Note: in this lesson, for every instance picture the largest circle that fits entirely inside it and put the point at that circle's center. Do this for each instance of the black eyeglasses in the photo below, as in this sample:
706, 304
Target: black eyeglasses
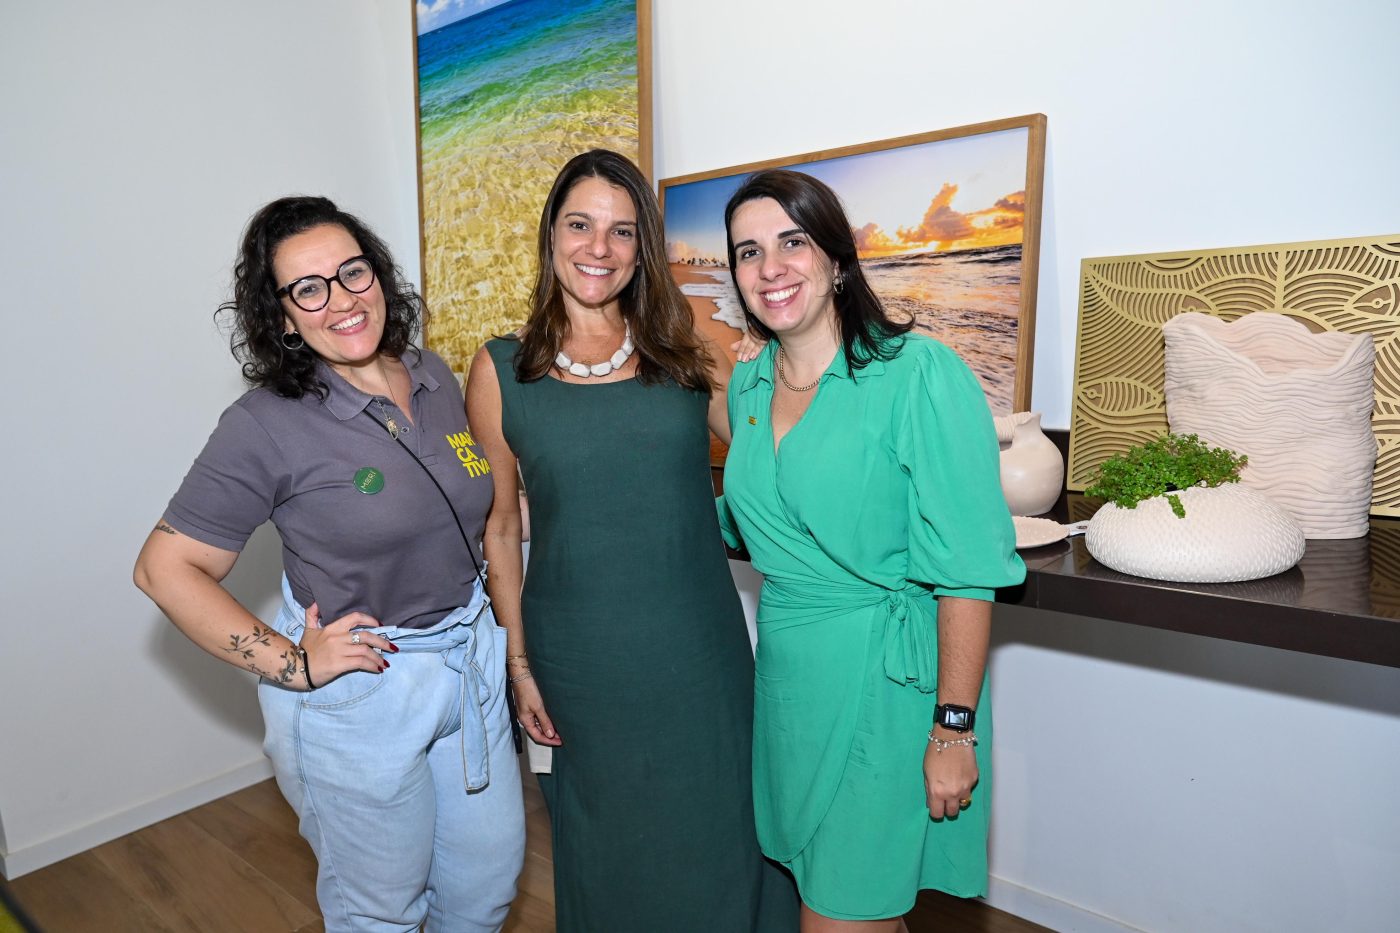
313, 292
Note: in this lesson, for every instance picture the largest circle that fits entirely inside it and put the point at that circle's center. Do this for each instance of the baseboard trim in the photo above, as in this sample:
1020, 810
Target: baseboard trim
57, 848
1048, 911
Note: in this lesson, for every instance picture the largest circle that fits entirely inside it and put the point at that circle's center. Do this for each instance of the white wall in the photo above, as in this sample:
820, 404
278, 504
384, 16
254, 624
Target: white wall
1172, 782
138, 138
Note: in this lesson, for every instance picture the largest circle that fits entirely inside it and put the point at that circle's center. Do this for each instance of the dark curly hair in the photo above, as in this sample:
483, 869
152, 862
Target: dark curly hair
258, 319
663, 326
867, 332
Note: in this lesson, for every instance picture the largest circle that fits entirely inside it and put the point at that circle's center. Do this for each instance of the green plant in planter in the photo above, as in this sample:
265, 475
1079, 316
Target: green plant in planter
1170, 463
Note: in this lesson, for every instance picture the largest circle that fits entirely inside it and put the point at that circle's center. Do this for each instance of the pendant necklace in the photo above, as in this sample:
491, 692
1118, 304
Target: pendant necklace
389, 421
615, 362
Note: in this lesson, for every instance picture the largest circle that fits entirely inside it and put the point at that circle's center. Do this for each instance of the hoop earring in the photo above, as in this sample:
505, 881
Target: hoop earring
836, 283
301, 341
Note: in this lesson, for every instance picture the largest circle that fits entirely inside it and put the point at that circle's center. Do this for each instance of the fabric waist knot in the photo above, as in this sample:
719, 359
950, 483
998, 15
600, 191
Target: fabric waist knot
911, 639
457, 637
907, 617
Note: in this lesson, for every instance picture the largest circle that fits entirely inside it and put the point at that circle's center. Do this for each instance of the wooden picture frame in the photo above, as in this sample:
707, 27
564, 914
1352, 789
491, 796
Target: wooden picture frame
967, 273
504, 99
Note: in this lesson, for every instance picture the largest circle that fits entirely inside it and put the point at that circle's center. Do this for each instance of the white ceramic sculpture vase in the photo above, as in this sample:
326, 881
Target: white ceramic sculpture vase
1230, 533
1297, 403
1032, 470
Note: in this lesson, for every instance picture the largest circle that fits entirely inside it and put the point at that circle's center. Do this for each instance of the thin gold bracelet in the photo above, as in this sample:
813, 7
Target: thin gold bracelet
519, 677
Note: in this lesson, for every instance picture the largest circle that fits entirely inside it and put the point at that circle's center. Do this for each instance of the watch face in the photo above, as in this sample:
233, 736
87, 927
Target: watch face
957, 718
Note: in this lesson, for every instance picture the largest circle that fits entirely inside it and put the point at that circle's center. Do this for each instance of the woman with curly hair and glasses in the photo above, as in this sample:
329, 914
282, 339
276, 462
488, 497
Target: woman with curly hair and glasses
354, 443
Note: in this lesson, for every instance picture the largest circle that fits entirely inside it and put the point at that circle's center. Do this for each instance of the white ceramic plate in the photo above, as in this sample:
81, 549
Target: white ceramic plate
1035, 532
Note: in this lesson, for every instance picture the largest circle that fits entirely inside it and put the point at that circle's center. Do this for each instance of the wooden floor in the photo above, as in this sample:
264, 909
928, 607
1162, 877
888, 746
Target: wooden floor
237, 864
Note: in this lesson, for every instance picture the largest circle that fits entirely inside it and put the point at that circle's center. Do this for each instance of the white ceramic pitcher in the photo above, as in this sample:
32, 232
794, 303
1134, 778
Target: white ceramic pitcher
1032, 470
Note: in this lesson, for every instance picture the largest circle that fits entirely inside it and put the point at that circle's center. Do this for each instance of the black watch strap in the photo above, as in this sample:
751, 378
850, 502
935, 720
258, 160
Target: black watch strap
953, 717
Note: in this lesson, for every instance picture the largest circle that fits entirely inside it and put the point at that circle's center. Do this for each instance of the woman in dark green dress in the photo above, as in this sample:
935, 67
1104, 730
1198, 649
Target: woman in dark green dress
638, 669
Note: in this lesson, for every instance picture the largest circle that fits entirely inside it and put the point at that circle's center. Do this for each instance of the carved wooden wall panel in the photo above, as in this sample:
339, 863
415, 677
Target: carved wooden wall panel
1344, 285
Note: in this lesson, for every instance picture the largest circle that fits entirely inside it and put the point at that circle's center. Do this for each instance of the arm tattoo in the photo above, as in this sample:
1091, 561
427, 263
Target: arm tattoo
286, 675
162, 526
243, 644
289, 668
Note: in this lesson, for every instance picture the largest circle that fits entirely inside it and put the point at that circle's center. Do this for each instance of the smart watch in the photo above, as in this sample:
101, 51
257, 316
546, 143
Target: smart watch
954, 718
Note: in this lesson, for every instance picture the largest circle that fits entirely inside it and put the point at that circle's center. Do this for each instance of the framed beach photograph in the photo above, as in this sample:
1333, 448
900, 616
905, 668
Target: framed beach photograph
508, 91
947, 226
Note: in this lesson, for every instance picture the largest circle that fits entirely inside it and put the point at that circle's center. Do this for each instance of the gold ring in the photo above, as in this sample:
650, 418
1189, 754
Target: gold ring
965, 802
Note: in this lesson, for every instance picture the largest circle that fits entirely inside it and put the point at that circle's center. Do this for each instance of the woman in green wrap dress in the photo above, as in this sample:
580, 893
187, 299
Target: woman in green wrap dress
863, 480
639, 670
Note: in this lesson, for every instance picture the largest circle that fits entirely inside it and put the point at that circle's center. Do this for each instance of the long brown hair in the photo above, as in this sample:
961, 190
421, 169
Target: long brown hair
663, 327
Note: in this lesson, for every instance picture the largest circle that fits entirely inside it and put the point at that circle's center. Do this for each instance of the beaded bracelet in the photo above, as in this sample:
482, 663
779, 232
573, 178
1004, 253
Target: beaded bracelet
939, 745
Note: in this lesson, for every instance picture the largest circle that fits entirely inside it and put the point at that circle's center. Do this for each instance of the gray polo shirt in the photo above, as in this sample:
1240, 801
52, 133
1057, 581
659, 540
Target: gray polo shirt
362, 526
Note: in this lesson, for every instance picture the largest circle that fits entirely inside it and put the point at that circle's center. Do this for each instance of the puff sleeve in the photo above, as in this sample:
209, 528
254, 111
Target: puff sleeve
961, 540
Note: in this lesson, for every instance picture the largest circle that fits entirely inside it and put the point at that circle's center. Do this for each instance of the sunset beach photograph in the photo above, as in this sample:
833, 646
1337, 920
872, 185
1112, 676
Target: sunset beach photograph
941, 228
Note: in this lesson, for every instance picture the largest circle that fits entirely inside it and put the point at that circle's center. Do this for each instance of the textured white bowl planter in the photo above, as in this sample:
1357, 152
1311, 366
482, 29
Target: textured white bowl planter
1230, 533
1297, 403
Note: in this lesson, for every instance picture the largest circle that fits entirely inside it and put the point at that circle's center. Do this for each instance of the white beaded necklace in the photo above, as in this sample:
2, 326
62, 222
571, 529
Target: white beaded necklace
583, 370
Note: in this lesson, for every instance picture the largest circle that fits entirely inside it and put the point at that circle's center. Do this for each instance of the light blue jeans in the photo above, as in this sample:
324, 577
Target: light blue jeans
406, 782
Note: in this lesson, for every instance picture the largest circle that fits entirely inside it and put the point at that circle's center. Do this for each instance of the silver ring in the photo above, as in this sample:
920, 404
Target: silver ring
354, 638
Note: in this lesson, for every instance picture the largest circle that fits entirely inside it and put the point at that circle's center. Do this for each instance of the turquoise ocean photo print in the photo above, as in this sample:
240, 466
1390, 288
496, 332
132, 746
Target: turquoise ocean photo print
507, 93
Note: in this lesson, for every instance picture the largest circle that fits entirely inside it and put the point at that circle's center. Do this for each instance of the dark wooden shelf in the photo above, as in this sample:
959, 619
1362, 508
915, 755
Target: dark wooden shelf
1342, 600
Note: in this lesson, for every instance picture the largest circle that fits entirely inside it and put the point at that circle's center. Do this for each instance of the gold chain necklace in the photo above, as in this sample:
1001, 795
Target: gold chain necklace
783, 376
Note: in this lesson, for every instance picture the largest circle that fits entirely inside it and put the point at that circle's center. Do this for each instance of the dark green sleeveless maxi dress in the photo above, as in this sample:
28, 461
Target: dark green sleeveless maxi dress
636, 637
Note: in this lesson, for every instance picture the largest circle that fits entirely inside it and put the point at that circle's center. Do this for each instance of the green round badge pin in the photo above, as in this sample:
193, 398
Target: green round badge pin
369, 480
